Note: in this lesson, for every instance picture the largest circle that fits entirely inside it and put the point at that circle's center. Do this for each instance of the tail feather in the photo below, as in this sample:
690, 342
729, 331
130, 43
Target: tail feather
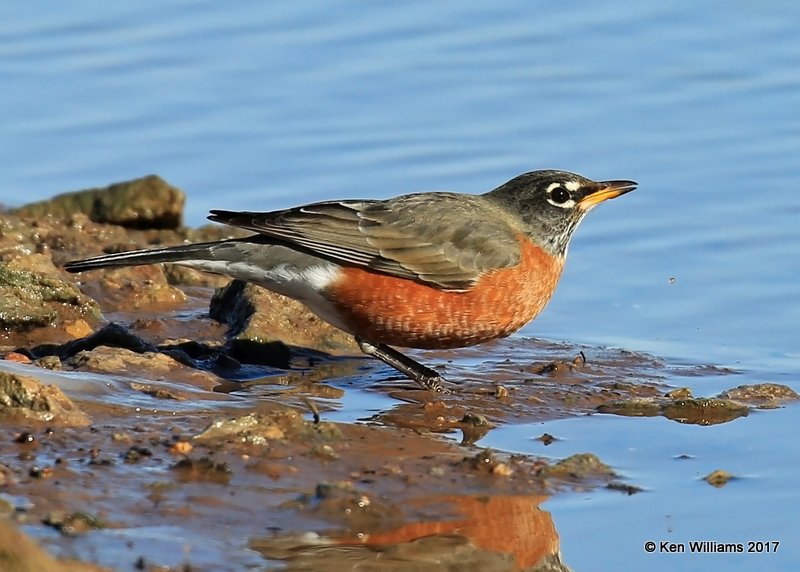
146, 256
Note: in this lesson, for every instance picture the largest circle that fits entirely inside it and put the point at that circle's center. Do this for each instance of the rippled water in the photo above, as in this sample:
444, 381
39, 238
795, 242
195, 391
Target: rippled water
265, 105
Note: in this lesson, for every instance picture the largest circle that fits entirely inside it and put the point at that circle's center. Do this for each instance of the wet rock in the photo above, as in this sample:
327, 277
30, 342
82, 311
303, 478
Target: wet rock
680, 393
704, 411
546, 439
475, 420
153, 364
23, 398
718, 478
252, 428
261, 428
73, 524
30, 300
691, 410
474, 427
111, 335
38, 242
131, 288
106, 359
26, 260
148, 202
17, 357
762, 395
42, 245
114, 349
580, 467
178, 275
262, 324
49, 362
560, 367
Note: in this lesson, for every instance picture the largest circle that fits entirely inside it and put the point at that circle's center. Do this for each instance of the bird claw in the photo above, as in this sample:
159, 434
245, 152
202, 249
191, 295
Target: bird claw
435, 383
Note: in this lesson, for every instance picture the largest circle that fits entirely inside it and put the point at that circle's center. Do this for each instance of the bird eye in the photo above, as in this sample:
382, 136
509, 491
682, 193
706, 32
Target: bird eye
559, 195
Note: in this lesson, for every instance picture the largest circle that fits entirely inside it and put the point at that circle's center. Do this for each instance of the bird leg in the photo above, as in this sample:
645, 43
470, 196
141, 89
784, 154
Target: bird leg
422, 375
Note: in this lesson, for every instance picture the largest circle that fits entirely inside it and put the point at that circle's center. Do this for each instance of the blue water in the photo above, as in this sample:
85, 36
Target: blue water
604, 530
251, 105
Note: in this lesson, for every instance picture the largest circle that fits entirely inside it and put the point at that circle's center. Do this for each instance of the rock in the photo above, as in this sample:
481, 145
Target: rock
474, 427
705, 411
30, 300
762, 395
261, 428
251, 428
49, 362
580, 467
718, 478
17, 357
559, 367
104, 359
691, 410
680, 393
112, 335
78, 329
73, 524
262, 324
149, 364
24, 398
131, 288
178, 275
149, 202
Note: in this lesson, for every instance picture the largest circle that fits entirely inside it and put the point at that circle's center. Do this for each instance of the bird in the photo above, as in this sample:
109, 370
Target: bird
429, 270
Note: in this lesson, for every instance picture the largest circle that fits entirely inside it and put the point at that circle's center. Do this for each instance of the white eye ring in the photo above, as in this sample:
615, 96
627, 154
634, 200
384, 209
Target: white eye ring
559, 196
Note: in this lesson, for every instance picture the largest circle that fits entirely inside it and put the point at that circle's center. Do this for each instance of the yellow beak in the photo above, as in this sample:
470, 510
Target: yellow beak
606, 190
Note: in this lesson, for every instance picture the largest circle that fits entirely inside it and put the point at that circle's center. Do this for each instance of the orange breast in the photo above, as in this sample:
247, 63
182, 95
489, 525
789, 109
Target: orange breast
396, 311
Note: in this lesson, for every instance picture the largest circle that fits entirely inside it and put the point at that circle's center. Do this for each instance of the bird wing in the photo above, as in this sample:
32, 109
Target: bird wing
443, 239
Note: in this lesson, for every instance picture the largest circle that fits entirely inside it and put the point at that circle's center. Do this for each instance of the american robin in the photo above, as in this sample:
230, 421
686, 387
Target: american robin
427, 270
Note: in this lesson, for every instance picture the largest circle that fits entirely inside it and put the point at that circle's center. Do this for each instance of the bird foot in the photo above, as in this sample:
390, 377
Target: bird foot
422, 375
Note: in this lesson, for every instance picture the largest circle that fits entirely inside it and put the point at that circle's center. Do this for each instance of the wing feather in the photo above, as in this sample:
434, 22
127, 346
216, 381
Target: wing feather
442, 239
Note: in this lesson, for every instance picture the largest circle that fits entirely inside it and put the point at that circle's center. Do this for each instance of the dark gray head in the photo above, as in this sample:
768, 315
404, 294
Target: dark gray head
551, 204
